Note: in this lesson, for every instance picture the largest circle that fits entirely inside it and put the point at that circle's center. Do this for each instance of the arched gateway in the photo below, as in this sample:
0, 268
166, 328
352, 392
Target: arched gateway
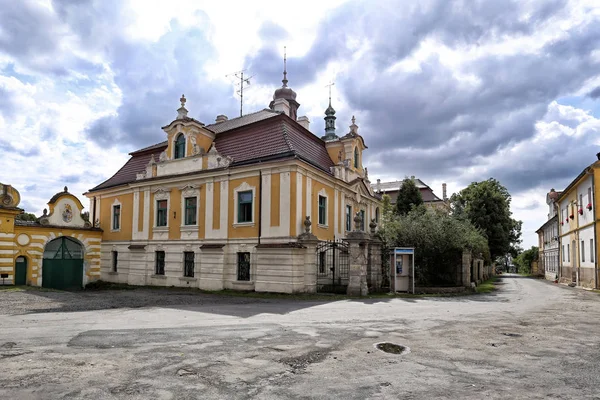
62, 267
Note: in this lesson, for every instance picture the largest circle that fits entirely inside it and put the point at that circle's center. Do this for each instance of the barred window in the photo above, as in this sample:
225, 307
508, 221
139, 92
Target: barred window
243, 265
188, 268
159, 268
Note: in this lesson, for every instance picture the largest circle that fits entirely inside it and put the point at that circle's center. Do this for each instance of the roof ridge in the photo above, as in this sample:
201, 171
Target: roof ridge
286, 137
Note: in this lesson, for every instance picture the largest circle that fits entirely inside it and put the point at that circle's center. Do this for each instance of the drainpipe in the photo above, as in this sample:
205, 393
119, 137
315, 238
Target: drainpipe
93, 221
595, 235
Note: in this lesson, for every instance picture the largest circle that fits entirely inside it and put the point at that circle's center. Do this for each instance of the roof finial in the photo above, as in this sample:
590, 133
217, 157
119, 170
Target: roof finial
353, 120
284, 80
66, 189
182, 111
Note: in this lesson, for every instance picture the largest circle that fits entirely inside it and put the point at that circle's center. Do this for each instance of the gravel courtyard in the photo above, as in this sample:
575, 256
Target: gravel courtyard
529, 340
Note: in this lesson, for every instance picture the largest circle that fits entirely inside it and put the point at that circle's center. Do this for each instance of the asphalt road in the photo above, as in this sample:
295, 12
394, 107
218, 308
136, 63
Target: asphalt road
529, 340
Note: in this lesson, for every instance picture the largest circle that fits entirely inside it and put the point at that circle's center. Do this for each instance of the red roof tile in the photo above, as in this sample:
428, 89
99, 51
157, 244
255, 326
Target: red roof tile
265, 135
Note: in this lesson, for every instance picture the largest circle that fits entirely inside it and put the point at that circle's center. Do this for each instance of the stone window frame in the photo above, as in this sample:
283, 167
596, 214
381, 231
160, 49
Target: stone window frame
161, 194
244, 187
323, 193
116, 203
189, 191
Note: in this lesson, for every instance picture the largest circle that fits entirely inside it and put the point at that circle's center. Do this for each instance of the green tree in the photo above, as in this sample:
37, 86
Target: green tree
26, 217
524, 260
409, 196
439, 240
486, 205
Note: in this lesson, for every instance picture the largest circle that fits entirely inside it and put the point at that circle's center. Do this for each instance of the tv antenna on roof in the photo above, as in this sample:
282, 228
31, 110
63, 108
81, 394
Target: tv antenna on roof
240, 75
331, 83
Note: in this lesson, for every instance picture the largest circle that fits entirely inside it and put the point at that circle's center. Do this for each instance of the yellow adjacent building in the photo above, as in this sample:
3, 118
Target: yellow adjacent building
222, 205
59, 250
578, 228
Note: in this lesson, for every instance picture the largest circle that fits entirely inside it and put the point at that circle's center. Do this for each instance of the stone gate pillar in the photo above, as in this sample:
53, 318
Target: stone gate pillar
358, 244
309, 241
466, 268
375, 259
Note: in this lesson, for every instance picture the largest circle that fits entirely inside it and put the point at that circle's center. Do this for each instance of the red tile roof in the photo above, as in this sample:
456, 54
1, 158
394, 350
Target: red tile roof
264, 135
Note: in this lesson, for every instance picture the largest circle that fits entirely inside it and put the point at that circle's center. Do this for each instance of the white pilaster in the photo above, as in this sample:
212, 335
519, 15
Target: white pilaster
146, 216
208, 216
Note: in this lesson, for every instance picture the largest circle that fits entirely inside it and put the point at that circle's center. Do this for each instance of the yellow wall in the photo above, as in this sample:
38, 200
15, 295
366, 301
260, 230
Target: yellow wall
106, 204
243, 231
303, 216
33, 251
275, 191
322, 233
341, 213
334, 149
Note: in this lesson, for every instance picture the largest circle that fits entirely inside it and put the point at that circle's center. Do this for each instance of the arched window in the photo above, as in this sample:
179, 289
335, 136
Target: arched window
180, 146
356, 157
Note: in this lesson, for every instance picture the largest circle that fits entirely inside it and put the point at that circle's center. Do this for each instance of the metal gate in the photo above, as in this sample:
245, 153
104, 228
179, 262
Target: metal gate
62, 267
332, 266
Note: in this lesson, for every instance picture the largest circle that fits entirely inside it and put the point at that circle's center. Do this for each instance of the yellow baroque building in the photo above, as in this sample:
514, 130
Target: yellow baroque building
578, 226
59, 250
222, 206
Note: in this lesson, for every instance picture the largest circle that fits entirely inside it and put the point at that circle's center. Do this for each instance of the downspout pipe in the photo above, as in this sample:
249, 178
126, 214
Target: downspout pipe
595, 249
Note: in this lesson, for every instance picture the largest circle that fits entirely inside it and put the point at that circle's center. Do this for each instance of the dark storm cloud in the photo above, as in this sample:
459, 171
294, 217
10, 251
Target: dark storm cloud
595, 94
432, 122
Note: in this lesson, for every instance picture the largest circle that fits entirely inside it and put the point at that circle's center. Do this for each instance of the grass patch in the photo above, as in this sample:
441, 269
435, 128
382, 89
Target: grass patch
23, 288
487, 286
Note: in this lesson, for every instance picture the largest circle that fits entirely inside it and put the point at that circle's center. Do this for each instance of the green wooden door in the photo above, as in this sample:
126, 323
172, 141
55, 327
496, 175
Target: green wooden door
21, 271
62, 267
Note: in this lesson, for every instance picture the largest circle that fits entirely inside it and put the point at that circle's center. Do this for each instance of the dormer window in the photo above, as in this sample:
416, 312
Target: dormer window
356, 157
180, 146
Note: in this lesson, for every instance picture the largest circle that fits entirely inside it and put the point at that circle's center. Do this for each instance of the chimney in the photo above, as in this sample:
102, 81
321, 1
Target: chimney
305, 122
444, 197
221, 118
598, 156
282, 106
378, 186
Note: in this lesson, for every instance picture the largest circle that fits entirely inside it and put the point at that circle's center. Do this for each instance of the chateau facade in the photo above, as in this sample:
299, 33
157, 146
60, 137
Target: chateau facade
221, 206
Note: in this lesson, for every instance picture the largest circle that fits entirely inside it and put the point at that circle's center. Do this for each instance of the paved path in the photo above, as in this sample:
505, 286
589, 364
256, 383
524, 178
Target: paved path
531, 339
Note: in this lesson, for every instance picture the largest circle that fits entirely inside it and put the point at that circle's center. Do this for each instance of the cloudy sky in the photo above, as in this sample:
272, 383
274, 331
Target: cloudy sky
450, 91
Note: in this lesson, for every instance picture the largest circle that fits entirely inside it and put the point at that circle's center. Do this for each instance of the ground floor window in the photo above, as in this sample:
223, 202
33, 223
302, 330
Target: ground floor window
159, 267
243, 266
188, 268
115, 257
582, 251
592, 250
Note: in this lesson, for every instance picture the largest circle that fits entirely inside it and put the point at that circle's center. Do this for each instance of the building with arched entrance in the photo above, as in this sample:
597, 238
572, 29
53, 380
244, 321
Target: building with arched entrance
59, 250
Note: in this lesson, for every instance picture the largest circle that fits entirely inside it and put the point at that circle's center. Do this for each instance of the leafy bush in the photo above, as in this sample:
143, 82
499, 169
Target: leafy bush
439, 240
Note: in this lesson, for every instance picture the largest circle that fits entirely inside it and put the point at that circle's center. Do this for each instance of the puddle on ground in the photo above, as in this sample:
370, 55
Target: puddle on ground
392, 348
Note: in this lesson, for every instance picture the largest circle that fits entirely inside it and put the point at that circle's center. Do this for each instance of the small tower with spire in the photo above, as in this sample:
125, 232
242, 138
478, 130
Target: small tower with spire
284, 98
330, 120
